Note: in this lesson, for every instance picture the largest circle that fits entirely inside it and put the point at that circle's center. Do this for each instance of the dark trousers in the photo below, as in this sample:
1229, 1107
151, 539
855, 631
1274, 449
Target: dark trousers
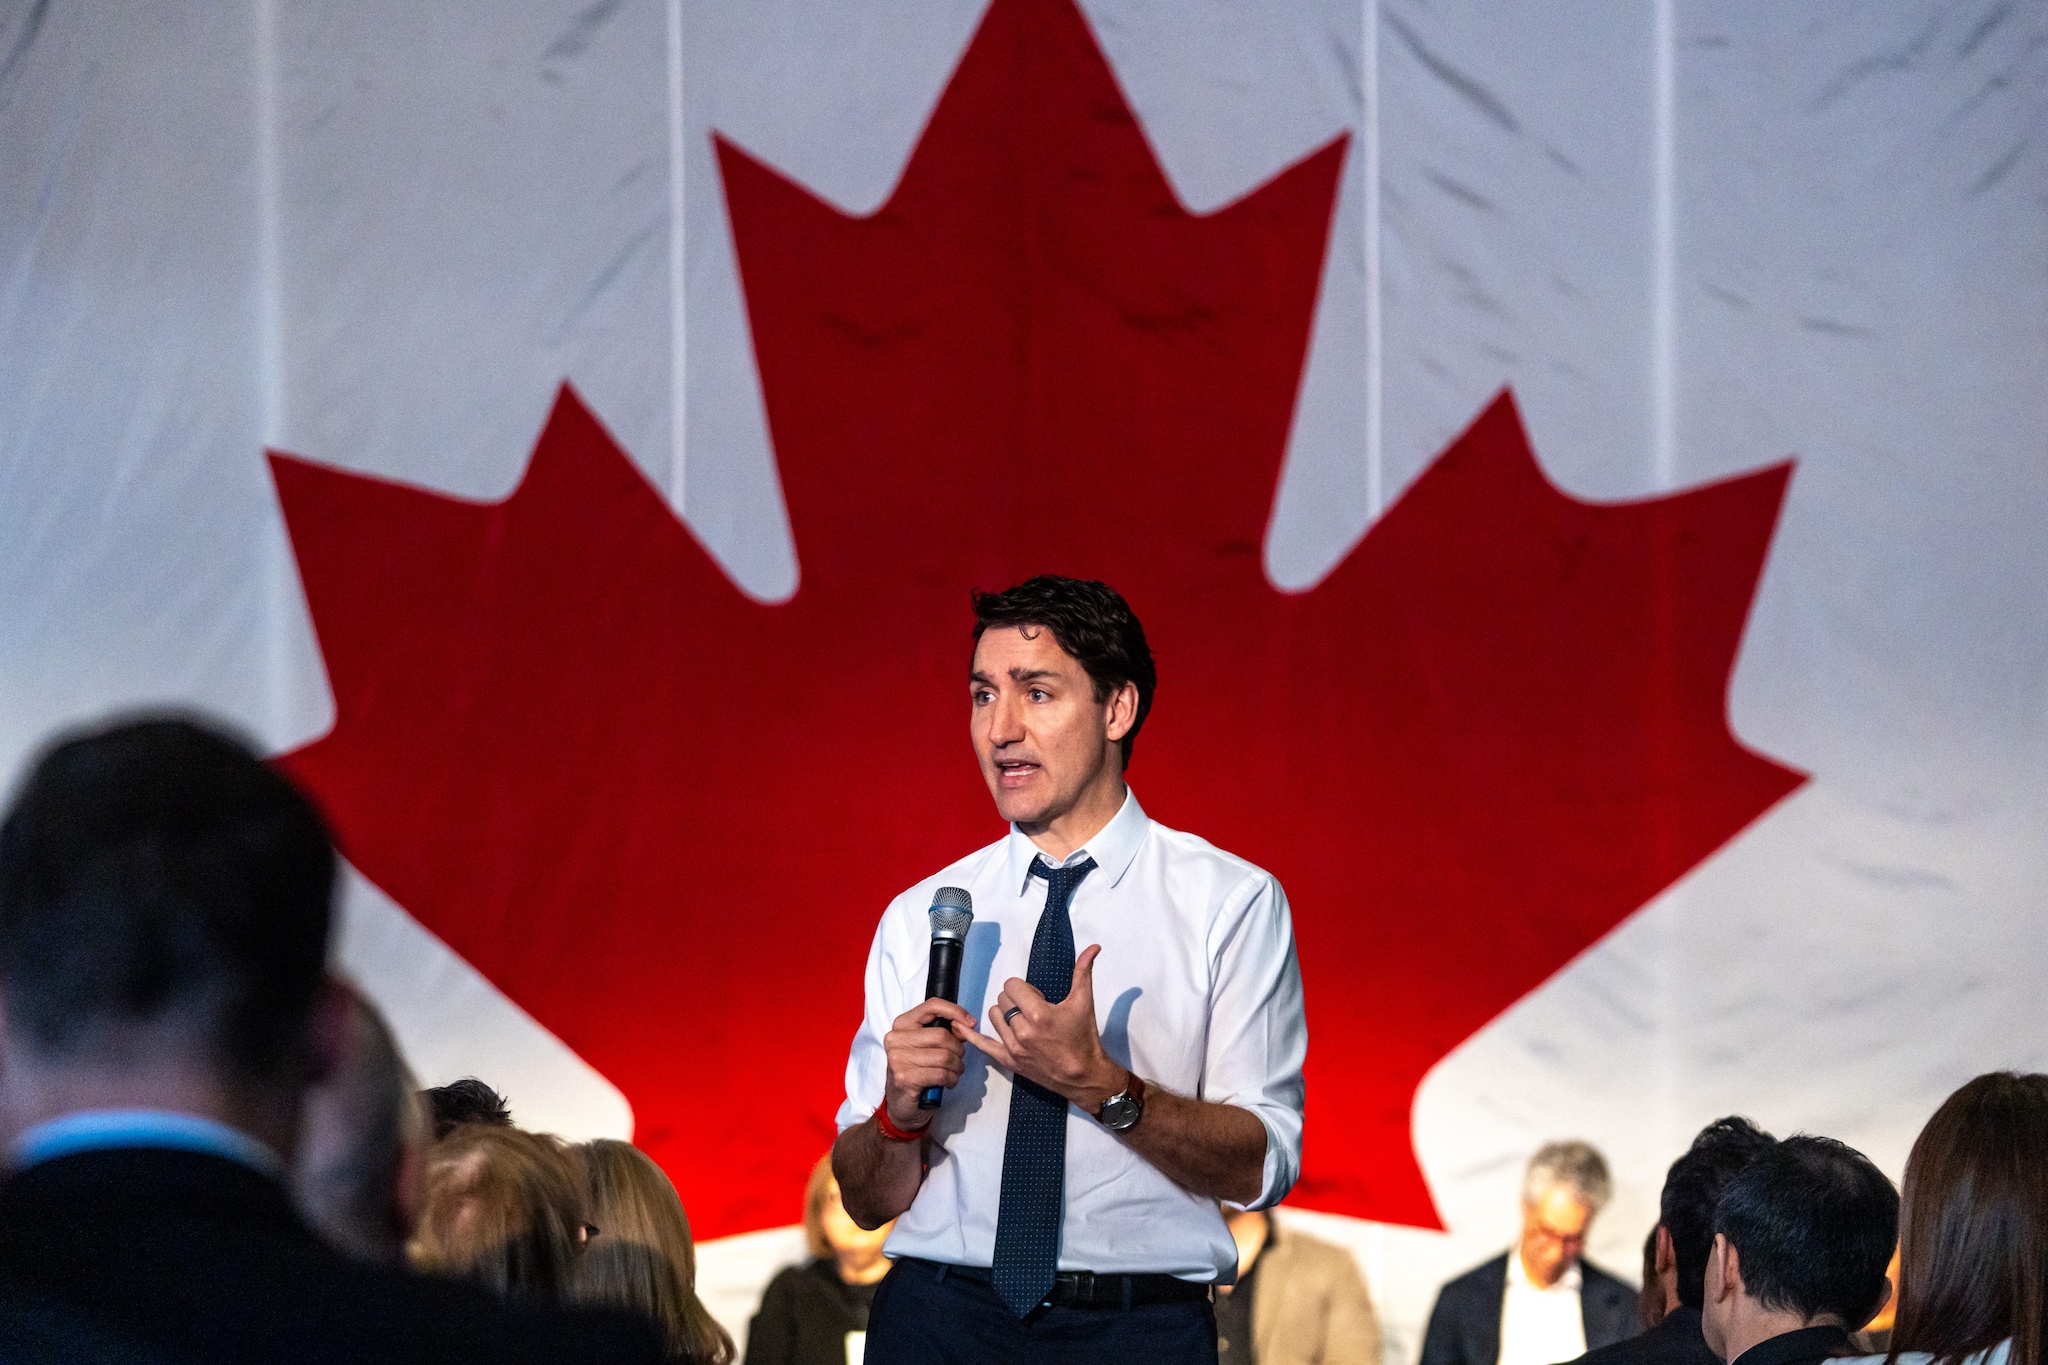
922, 1316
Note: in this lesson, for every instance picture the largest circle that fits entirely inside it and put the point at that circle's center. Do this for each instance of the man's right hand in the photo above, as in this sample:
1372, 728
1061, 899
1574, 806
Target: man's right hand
921, 1057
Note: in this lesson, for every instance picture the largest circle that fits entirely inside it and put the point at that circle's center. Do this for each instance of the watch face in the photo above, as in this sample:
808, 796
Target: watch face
1120, 1113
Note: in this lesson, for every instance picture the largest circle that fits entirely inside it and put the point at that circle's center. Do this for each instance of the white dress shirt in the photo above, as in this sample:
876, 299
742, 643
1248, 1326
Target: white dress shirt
1196, 990
1541, 1325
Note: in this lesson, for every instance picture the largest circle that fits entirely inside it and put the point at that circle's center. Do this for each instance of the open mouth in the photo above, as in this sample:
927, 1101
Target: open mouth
1015, 772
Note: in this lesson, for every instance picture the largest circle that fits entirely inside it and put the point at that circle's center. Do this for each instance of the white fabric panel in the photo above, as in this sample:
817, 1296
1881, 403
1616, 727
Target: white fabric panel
140, 554
379, 235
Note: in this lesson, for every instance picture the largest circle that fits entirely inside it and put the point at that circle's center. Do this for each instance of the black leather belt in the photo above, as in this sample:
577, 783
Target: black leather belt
1082, 1288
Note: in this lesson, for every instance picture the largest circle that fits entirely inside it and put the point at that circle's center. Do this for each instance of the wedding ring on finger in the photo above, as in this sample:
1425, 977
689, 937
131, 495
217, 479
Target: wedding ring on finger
1012, 1013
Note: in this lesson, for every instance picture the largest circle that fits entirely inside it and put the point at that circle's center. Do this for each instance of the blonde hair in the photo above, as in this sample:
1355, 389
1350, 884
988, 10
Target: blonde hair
816, 1191
641, 1256
502, 1208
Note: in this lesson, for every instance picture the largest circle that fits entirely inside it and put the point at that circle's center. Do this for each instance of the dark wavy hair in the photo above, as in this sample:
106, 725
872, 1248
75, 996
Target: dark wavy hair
1722, 1150
1973, 1230
1092, 623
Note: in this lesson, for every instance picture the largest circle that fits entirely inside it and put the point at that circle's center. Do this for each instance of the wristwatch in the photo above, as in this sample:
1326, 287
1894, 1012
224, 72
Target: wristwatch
1120, 1112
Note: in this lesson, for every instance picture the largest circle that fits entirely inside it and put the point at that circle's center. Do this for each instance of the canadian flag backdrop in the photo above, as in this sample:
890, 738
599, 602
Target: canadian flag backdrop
1582, 473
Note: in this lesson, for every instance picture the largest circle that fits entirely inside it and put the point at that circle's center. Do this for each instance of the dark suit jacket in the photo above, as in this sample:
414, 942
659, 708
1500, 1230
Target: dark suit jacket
197, 1258
1674, 1341
1464, 1327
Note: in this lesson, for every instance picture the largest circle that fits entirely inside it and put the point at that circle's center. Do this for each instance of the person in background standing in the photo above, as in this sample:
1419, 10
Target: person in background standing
817, 1313
1297, 1300
1541, 1301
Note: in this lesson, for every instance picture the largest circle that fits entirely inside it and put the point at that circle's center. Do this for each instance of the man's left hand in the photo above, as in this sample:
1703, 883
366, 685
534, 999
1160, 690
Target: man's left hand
1059, 1045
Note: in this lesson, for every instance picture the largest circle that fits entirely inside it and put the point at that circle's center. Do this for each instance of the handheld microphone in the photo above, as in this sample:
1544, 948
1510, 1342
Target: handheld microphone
952, 912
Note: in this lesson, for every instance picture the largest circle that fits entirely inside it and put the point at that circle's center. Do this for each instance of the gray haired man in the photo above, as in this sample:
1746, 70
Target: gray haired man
1540, 1301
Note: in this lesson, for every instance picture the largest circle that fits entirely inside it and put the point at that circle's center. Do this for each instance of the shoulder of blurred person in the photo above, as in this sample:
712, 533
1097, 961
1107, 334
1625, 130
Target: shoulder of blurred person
1311, 1305
165, 910
1464, 1323
805, 1313
1675, 1340
1609, 1306
201, 1257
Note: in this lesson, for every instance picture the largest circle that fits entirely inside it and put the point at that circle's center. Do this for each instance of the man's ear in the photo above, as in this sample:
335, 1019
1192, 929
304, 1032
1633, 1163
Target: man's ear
1722, 1280
1666, 1262
1123, 710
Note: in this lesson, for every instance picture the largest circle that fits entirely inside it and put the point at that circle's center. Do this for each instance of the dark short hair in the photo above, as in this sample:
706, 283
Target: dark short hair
468, 1100
1973, 1226
1692, 1188
157, 874
1092, 623
1814, 1223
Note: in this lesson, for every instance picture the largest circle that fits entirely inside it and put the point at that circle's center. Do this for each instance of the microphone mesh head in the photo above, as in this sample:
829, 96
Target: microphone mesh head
952, 911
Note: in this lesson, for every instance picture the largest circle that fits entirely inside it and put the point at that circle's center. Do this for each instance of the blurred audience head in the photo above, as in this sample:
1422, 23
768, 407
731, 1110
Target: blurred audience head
1692, 1189
641, 1256
1801, 1239
362, 1139
833, 1235
1566, 1184
165, 901
468, 1100
502, 1208
1973, 1226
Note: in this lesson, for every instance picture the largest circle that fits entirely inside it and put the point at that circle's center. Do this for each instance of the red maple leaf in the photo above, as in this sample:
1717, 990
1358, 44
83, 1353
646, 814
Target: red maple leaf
664, 818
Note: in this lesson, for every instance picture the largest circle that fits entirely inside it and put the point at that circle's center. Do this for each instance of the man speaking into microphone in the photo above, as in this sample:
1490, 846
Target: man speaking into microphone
1061, 1202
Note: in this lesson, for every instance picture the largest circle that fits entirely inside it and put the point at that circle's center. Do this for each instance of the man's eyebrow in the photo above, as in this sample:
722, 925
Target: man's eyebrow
1016, 675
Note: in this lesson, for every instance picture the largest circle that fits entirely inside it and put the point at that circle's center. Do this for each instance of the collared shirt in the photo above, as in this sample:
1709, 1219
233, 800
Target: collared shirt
1539, 1324
1196, 990
100, 1130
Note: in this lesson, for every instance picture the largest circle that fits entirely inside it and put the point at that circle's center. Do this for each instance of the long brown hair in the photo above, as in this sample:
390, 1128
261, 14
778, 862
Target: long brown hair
642, 1257
503, 1208
1973, 1225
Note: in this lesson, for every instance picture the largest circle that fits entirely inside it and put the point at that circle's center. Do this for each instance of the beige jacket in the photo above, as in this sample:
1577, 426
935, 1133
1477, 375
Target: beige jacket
1310, 1307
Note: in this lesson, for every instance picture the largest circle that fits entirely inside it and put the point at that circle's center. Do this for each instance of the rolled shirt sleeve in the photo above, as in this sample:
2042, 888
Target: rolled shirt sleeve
1258, 1036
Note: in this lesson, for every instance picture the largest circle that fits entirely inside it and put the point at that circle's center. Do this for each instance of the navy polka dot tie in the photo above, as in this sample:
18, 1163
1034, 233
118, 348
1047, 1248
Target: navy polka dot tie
1035, 1151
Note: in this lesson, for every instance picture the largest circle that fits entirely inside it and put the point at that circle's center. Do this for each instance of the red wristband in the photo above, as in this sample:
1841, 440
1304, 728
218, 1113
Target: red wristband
891, 1131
